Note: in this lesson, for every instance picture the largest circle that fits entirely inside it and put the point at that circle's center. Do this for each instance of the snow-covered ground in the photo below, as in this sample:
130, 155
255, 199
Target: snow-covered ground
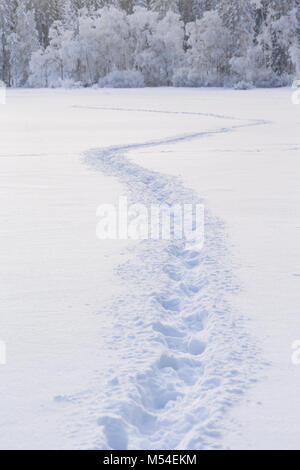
123, 344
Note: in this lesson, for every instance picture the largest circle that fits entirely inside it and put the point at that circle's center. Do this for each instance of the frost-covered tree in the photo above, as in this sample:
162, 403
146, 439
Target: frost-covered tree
199, 7
23, 42
238, 18
279, 29
142, 29
295, 46
48, 67
127, 5
297, 8
209, 51
99, 46
46, 12
163, 51
8, 10
143, 3
275, 41
164, 6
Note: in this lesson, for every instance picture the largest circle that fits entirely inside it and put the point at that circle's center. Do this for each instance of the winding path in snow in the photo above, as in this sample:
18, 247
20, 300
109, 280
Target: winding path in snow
185, 356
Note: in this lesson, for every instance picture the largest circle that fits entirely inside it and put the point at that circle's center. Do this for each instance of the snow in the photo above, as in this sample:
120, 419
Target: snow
152, 344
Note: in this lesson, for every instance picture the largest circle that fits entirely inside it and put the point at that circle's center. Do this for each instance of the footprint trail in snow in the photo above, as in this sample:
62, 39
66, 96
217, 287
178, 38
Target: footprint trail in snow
185, 357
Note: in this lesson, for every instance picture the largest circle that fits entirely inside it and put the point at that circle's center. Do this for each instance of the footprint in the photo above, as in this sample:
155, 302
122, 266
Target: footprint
156, 395
169, 304
196, 320
194, 289
115, 432
175, 344
172, 272
167, 360
190, 289
196, 347
188, 375
185, 371
185, 289
193, 263
178, 363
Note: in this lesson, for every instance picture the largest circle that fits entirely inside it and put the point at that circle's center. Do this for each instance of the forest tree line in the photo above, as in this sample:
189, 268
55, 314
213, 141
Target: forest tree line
241, 43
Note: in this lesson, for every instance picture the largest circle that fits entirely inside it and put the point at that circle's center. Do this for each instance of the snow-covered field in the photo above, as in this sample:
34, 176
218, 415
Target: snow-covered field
149, 345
